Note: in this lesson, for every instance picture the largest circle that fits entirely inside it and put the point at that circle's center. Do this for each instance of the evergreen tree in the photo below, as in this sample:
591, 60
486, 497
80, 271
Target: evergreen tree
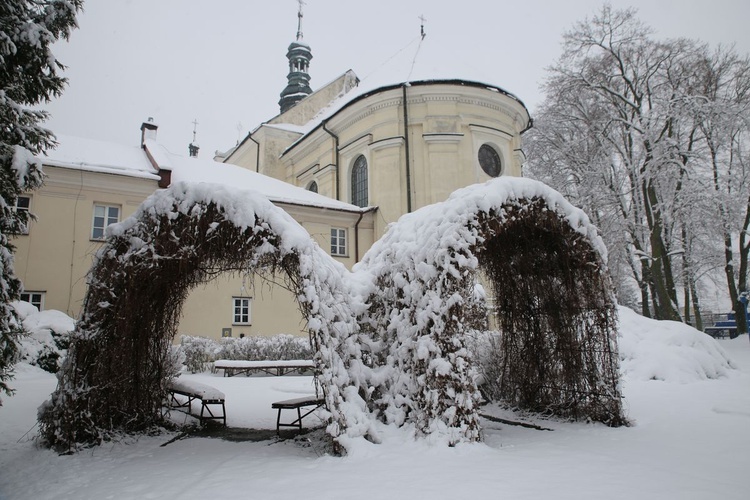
29, 76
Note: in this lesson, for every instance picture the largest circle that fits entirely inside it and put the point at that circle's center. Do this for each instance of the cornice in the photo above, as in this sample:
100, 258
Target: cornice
442, 138
390, 142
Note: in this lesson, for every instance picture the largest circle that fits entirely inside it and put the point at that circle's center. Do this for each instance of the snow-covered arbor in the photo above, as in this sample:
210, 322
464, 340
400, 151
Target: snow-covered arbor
546, 268
114, 378
390, 337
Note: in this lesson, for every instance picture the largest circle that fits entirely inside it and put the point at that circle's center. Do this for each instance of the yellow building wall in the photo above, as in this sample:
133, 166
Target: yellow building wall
274, 308
57, 253
447, 124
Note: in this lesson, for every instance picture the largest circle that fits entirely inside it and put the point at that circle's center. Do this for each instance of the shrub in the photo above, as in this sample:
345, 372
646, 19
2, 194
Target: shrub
46, 338
201, 352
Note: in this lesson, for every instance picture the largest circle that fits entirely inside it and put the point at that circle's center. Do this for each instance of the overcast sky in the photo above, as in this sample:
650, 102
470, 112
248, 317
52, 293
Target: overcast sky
223, 62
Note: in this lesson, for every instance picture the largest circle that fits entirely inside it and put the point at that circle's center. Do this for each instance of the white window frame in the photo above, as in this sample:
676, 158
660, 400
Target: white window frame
339, 242
107, 220
241, 317
27, 209
34, 298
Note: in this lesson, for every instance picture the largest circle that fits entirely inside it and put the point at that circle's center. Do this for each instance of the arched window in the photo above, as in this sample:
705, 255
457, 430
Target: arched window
313, 186
359, 182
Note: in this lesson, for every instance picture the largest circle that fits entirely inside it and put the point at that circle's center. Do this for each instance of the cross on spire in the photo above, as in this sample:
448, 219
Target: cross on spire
299, 19
193, 147
195, 128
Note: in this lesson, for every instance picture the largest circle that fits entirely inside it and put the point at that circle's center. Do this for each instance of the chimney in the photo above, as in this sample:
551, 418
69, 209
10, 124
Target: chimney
148, 130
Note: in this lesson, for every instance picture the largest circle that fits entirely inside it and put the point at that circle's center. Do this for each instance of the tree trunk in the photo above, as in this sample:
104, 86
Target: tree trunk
660, 271
696, 305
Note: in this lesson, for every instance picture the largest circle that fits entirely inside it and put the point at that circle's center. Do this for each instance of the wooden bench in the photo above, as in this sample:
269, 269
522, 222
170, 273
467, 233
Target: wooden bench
297, 404
233, 367
720, 332
211, 399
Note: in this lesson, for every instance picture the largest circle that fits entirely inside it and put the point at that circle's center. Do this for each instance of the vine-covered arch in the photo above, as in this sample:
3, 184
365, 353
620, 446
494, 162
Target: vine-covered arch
114, 378
546, 268
390, 338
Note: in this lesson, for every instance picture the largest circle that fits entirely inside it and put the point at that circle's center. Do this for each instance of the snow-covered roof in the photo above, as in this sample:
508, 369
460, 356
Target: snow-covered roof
186, 169
98, 156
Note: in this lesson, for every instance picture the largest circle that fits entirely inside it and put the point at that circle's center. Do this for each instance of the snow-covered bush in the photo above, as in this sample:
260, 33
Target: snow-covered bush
47, 336
200, 352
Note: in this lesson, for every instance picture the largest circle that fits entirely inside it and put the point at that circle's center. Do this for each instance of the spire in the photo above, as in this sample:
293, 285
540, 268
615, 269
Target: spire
298, 80
193, 146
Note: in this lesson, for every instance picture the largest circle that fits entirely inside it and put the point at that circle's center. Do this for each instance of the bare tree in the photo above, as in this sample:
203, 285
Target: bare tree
625, 132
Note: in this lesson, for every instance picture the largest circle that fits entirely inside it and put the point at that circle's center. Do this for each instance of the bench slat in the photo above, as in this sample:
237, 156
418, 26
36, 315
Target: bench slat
202, 391
298, 402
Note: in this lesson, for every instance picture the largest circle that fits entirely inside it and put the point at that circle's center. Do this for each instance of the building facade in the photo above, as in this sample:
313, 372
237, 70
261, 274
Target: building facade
344, 161
90, 185
397, 148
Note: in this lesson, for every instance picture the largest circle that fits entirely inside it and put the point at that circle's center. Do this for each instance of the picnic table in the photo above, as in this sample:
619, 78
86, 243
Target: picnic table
234, 367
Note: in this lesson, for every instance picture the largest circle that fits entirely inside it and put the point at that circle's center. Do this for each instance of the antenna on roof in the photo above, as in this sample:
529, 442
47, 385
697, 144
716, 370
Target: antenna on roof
193, 147
299, 19
422, 34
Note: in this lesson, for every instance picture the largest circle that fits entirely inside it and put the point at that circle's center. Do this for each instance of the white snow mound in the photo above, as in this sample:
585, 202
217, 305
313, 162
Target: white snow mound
668, 350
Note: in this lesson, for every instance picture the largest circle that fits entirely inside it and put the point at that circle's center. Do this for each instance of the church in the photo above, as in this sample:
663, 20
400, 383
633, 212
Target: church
345, 161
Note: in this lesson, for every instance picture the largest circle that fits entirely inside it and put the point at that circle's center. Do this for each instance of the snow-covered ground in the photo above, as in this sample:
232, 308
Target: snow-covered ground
687, 395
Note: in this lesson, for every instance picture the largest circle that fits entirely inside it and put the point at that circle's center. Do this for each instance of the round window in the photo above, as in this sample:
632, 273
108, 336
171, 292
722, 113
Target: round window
489, 160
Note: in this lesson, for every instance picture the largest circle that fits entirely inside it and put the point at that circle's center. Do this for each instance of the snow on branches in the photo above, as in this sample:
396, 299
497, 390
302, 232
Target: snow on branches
28, 77
390, 338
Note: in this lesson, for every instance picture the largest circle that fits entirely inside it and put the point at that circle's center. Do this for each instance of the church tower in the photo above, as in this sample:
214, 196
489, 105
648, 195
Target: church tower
299, 55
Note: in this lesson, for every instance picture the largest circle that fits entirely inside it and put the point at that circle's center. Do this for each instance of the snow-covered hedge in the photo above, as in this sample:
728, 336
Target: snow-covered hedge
47, 336
201, 352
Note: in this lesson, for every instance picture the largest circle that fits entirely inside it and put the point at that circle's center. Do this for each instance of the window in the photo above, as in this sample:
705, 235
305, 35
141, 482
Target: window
338, 241
241, 315
104, 215
489, 160
359, 182
34, 298
313, 186
23, 204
